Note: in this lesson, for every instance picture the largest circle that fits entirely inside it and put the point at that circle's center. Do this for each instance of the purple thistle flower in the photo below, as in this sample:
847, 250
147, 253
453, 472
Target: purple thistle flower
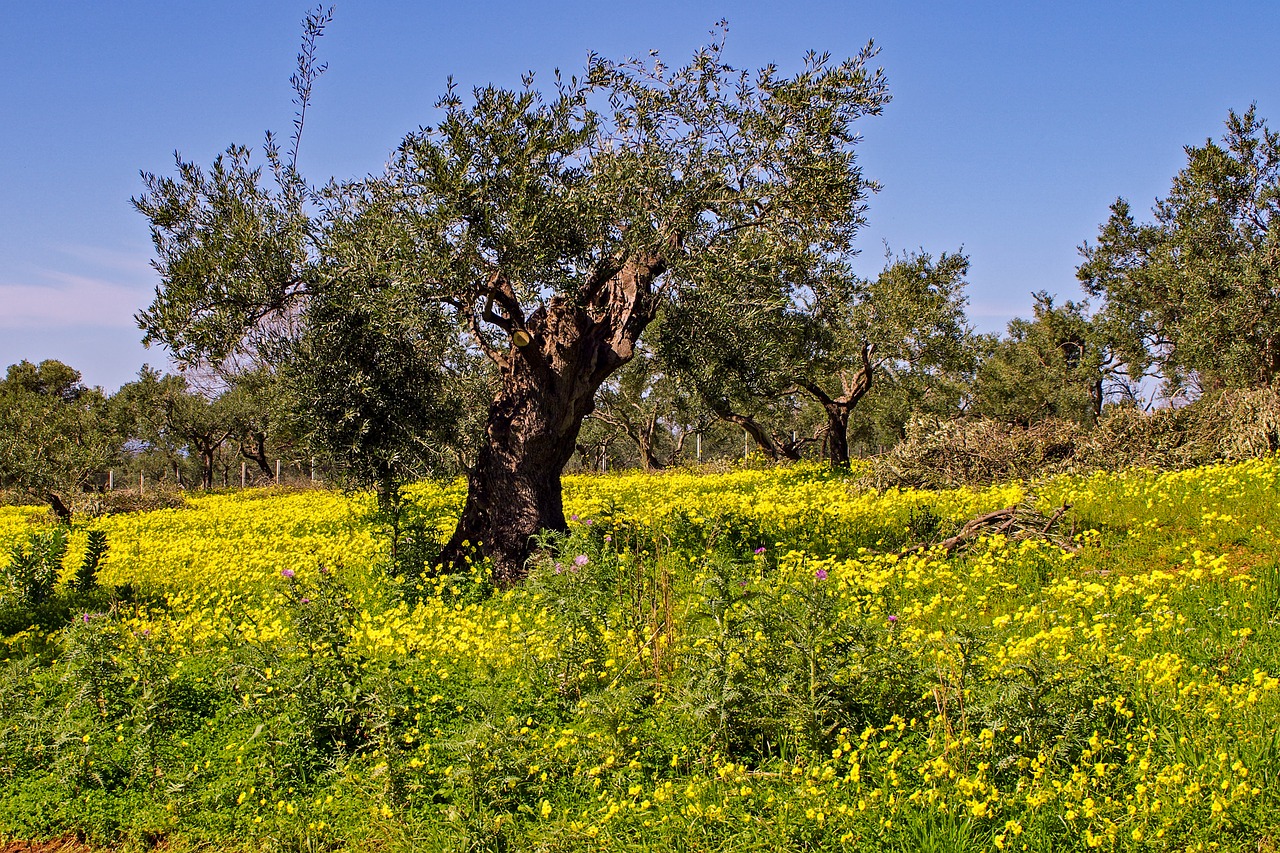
581, 560
759, 550
306, 601
820, 574
559, 568
287, 574
893, 620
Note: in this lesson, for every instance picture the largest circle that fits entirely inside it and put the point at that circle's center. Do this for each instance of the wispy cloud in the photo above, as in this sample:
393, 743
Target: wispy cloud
67, 300
78, 286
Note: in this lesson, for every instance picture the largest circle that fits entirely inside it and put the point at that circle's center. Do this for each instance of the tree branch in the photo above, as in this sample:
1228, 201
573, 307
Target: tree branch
482, 340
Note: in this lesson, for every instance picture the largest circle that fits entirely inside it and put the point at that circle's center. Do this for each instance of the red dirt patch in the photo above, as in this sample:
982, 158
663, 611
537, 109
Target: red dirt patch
57, 845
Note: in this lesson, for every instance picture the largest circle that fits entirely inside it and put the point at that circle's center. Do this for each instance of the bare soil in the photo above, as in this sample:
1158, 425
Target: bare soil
57, 845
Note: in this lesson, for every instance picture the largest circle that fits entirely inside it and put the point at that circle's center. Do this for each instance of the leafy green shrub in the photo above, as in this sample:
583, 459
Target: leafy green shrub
1043, 708
33, 568
924, 525
725, 684
777, 668
576, 583
307, 692
830, 666
94, 665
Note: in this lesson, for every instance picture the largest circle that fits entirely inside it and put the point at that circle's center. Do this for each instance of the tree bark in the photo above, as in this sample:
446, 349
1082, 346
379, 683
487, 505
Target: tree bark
60, 508
643, 438
548, 386
838, 435
257, 453
678, 450
772, 447
839, 408
513, 491
206, 446
206, 468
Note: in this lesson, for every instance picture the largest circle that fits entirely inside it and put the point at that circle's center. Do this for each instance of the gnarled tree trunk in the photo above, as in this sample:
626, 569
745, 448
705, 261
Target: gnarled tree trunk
513, 491
60, 508
773, 446
641, 433
558, 358
254, 449
855, 387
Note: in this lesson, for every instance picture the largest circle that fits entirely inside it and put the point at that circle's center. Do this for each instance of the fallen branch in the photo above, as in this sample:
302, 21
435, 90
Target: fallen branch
1053, 519
1018, 522
974, 526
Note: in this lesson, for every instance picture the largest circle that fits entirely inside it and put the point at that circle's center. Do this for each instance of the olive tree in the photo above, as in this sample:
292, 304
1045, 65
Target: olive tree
1058, 364
56, 435
1196, 292
828, 345
541, 231
644, 403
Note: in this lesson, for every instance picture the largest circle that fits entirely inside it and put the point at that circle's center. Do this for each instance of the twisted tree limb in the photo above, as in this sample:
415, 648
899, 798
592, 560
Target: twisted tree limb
1019, 522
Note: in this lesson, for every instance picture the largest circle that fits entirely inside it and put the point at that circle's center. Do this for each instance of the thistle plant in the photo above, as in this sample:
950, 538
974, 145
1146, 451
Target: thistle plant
86, 579
33, 568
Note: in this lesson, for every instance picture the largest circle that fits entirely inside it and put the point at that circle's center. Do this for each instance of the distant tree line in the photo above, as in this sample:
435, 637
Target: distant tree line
60, 439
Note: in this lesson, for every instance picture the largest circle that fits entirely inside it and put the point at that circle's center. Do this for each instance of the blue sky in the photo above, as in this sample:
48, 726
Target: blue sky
1012, 127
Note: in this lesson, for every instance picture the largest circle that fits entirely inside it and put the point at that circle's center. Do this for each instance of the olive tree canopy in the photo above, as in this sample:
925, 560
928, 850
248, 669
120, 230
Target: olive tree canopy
831, 342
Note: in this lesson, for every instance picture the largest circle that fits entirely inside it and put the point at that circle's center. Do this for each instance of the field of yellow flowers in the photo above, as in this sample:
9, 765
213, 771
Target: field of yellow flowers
753, 660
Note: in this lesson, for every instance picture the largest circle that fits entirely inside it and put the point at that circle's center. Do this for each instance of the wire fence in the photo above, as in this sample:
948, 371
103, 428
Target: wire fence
282, 473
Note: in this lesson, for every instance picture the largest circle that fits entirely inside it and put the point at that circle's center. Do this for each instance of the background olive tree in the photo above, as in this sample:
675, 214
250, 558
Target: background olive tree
56, 435
826, 346
1060, 363
1195, 293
